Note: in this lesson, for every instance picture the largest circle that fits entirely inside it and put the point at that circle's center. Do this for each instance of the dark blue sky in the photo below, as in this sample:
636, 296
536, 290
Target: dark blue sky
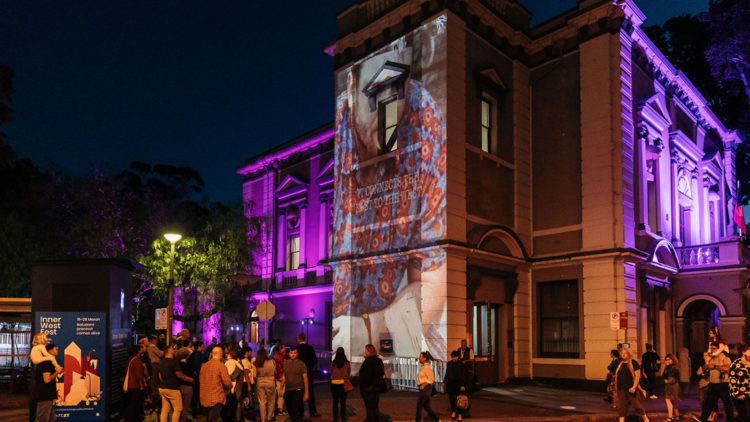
203, 84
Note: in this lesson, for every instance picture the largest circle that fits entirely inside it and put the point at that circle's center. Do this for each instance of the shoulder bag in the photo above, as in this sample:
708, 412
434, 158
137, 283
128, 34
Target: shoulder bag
462, 401
348, 386
127, 375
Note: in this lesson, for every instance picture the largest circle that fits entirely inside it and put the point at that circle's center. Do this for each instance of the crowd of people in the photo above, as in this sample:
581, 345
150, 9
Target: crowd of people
721, 379
225, 380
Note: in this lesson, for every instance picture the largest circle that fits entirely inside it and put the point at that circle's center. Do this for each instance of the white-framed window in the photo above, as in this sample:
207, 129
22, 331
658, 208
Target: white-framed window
388, 123
292, 261
330, 240
486, 125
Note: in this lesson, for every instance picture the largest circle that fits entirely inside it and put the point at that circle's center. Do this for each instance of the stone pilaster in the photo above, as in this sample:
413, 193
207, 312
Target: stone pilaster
303, 233
281, 243
522, 154
323, 228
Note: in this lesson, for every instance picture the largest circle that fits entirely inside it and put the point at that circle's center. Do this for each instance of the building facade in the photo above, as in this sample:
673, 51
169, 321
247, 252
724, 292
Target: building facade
509, 185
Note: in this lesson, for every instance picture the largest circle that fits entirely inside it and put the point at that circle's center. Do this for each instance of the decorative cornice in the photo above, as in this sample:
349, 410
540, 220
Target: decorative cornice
285, 153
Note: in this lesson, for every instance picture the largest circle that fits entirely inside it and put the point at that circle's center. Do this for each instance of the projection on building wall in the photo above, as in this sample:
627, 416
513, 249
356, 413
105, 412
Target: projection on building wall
390, 200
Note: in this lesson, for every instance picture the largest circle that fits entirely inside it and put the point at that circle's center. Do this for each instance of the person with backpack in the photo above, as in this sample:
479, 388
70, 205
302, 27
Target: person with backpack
650, 362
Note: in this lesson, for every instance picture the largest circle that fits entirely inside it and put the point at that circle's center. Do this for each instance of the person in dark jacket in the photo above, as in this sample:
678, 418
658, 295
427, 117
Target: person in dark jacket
650, 363
307, 355
197, 358
455, 383
371, 382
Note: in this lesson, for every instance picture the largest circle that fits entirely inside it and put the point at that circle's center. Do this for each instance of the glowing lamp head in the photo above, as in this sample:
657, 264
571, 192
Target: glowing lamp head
173, 237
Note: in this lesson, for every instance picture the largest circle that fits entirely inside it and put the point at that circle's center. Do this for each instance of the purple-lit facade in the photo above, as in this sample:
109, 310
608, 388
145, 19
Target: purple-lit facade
291, 186
531, 181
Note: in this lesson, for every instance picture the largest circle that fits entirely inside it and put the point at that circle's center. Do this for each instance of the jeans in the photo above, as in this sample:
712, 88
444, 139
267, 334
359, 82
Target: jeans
133, 405
454, 390
339, 395
715, 392
170, 400
371, 399
294, 402
45, 412
423, 402
213, 412
743, 407
266, 397
280, 388
187, 397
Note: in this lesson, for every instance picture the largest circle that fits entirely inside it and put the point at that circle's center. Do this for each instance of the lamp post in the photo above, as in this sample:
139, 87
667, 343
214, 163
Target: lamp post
173, 238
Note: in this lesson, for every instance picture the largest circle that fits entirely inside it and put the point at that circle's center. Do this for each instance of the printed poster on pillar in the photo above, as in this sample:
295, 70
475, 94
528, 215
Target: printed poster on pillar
80, 338
390, 194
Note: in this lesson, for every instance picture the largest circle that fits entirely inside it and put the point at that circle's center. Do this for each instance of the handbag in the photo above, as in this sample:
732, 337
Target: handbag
462, 401
348, 386
434, 391
127, 374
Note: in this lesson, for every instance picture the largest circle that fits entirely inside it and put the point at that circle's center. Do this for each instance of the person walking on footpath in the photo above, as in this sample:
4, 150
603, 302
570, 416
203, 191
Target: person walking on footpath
703, 387
627, 377
650, 366
671, 376
425, 379
455, 383
371, 382
170, 375
155, 356
341, 370
718, 385
739, 383
266, 384
214, 380
45, 386
611, 385
186, 387
136, 384
307, 355
296, 385
279, 359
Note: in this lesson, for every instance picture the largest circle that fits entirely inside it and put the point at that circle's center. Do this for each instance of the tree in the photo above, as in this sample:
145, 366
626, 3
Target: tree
7, 155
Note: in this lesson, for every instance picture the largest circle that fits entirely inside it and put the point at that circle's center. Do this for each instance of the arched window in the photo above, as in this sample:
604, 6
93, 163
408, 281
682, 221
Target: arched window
254, 327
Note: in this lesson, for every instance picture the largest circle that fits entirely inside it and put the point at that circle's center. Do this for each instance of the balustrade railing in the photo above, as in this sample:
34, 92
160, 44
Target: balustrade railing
700, 255
289, 281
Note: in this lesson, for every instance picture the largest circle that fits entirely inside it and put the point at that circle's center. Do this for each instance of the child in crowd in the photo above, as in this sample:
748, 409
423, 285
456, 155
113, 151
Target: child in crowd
39, 351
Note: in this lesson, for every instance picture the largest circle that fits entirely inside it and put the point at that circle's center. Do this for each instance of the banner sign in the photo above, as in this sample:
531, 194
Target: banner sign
80, 338
161, 319
618, 320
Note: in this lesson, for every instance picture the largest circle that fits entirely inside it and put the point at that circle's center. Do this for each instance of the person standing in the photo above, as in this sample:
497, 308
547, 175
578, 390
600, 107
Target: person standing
341, 370
296, 385
210, 348
136, 384
371, 382
718, 386
308, 357
279, 359
466, 357
155, 356
45, 387
739, 383
672, 386
186, 387
198, 359
170, 375
266, 384
628, 375
703, 386
425, 379
650, 366
214, 380
236, 375
611, 386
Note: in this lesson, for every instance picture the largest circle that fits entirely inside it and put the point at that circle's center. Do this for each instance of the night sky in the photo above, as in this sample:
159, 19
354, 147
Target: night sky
201, 84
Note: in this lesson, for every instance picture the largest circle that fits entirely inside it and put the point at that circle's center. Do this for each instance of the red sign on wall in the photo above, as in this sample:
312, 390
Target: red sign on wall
623, 320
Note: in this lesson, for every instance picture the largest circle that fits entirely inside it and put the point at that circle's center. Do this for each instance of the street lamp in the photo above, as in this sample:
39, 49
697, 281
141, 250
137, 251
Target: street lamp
173, 238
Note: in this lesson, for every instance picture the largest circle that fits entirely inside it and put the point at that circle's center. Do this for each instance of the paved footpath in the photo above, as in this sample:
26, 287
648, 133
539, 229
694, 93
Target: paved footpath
514, 404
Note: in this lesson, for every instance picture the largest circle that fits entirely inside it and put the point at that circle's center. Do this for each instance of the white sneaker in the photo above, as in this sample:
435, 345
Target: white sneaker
652, 397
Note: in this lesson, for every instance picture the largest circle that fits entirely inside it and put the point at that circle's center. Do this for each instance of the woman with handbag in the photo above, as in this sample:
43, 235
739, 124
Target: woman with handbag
425, 379
340, 383
372, 382
455, 384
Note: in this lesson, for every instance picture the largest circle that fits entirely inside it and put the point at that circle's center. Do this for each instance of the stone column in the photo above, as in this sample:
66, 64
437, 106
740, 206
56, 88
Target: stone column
642, 192
281, 245
323, 229
696, 223
303, 233
706, 211
675, 200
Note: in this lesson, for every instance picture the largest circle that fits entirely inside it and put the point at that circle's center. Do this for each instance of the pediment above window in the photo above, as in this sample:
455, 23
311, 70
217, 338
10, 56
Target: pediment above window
290, 187
325, 176
490, 82
654, 111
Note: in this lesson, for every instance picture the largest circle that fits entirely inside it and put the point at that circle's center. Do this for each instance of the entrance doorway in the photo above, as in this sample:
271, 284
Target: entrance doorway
701, 316
489, 357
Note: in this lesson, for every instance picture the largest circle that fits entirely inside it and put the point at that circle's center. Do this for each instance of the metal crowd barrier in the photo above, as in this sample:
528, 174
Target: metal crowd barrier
404, 372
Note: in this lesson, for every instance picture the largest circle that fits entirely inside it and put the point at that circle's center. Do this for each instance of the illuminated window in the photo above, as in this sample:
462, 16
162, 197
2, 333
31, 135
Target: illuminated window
254, 327
388, 124
558, 319
486, 133
330, 240
292, 262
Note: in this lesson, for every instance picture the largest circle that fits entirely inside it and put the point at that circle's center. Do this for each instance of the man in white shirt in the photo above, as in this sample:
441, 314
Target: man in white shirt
156, 356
